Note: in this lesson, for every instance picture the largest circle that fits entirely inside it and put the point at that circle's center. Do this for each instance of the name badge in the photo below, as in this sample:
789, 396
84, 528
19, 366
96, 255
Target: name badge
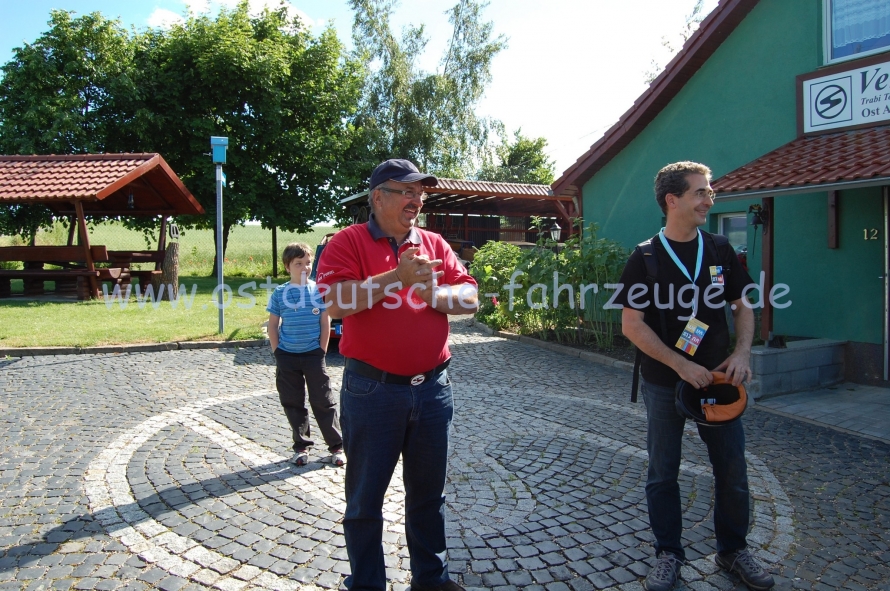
692, 335
716, 275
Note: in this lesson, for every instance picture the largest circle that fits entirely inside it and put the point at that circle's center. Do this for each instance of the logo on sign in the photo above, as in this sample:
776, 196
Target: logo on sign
830, 101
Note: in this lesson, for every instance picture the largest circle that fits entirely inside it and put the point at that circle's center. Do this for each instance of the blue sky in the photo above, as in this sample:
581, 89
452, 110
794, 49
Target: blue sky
571, 69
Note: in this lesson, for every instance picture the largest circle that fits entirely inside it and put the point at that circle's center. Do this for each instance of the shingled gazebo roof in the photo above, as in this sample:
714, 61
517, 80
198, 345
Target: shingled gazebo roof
102, 183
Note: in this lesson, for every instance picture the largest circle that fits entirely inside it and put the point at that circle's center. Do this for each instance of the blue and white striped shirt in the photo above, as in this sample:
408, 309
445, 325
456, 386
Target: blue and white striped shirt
300, 308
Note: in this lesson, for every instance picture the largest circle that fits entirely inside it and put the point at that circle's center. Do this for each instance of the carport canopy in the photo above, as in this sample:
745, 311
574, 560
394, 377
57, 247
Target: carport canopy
486, 198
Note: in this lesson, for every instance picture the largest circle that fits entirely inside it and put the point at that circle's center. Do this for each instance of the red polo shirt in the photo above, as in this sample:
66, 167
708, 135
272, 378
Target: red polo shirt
396, 335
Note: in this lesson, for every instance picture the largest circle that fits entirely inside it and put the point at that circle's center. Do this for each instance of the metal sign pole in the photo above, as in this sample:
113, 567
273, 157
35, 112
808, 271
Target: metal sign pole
219, 245
218, 147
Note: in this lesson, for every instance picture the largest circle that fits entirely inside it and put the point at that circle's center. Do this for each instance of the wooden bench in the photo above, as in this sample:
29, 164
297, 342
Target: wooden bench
125, 258
72, 279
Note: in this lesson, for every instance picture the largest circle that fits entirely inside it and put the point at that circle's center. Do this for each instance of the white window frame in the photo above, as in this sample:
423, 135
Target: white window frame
826, 40
727, 215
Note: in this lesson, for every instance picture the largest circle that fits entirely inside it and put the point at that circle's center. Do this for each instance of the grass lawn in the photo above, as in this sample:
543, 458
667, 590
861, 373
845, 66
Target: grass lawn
249, 251
44, 323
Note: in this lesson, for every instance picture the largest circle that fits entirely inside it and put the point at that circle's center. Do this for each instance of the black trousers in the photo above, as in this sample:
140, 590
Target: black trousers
296, 373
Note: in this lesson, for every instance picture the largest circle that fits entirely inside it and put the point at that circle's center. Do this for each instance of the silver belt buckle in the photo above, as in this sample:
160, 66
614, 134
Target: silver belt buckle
418, 379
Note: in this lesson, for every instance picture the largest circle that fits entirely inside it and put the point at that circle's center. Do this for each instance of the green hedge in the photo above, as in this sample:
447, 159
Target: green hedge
585, 263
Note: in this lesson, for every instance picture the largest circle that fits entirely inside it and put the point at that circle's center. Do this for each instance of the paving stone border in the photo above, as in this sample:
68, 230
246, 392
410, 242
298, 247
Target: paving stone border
129, 348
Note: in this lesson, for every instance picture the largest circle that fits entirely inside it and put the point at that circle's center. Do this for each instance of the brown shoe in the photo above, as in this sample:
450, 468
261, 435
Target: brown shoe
448, 585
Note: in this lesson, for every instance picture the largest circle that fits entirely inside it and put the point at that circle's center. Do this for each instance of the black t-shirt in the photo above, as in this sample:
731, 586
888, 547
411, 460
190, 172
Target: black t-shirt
714, 346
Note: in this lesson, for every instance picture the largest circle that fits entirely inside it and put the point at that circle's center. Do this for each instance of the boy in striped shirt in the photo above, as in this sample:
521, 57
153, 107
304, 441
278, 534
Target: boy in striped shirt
299, 331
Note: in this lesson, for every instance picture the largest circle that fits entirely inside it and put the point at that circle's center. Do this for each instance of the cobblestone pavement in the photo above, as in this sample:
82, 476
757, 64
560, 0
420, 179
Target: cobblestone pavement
167, 470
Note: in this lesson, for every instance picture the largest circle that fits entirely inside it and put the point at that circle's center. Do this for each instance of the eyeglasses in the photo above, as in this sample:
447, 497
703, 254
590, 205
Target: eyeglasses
706, 193
406, 193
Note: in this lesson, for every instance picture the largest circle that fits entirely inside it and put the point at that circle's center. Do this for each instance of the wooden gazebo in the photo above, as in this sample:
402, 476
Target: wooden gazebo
81, 185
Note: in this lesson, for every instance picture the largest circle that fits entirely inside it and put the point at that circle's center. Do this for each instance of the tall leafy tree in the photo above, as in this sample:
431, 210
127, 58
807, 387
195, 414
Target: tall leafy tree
429, 118
523, 160
280, 95
63, 94
283, 97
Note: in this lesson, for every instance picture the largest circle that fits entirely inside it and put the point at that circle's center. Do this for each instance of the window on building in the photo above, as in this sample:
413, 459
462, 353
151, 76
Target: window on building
855, 28
735, 227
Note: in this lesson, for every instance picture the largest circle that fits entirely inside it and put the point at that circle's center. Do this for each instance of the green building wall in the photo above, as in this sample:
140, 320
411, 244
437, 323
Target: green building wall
834, 292
740, 105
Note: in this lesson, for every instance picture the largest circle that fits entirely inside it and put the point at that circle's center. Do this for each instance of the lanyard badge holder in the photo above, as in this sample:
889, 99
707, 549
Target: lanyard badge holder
695, 329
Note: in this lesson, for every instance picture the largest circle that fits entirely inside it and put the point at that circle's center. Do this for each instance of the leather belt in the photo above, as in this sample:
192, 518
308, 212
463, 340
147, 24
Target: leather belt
369, 371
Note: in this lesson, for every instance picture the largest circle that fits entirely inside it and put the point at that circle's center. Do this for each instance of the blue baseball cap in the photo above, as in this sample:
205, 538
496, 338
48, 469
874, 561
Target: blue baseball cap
400, 171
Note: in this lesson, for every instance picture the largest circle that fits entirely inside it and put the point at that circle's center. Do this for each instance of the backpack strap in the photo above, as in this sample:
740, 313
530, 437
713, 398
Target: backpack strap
650, 259
714, 243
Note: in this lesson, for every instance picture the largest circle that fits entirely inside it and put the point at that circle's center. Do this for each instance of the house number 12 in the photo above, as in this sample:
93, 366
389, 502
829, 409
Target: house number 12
869, 233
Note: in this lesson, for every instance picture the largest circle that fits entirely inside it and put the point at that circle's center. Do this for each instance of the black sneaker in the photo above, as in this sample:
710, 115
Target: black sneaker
743, 564
664, 574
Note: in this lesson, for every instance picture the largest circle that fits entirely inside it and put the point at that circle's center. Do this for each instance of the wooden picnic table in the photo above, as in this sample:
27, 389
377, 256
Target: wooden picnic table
124, 259
75, 272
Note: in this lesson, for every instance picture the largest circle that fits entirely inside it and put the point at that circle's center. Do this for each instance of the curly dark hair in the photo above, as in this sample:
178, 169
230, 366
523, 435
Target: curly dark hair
672, 179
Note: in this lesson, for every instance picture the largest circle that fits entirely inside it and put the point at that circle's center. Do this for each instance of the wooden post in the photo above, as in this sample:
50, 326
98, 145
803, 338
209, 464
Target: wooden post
85, 242
766, 262
72, 225
466, 226
274, 251
169, 274
162, 242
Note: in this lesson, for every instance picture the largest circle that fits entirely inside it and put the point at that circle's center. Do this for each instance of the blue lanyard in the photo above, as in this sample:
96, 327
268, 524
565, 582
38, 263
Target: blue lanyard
676, 259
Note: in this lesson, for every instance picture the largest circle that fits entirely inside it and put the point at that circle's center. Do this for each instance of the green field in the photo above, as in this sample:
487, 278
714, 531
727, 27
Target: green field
249, 252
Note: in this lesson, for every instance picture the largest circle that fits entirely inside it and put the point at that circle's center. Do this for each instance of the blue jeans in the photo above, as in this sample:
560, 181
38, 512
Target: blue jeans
380, 422
726, 451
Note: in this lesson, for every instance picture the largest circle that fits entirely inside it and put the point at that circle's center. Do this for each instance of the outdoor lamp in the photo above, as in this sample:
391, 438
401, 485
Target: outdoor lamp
555, 232
130, 202
760, 216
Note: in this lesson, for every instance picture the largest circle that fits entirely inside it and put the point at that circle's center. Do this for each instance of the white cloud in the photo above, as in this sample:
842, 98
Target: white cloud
254, 7
197, 6
163, 19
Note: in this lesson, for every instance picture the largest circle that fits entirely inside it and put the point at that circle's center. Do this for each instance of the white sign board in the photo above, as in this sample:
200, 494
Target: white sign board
855, 97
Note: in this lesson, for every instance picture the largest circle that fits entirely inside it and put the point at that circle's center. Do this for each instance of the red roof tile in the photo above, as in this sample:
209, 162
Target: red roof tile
98, 180
860, 156
710, 34
488, 187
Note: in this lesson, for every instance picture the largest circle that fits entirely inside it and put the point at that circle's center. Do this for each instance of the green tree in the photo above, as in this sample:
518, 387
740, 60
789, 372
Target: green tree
283, 97
62, 94
426, 117
280, 95
522, 161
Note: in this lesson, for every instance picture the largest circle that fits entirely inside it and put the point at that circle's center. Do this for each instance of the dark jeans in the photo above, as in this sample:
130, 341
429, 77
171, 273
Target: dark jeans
296, 372
380, 422
726, 450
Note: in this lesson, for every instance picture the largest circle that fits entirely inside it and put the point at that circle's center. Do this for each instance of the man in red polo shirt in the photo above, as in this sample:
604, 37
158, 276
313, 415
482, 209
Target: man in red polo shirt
393, 285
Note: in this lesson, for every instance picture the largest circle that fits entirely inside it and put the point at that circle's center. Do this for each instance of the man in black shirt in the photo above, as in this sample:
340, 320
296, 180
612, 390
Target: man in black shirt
680, 325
